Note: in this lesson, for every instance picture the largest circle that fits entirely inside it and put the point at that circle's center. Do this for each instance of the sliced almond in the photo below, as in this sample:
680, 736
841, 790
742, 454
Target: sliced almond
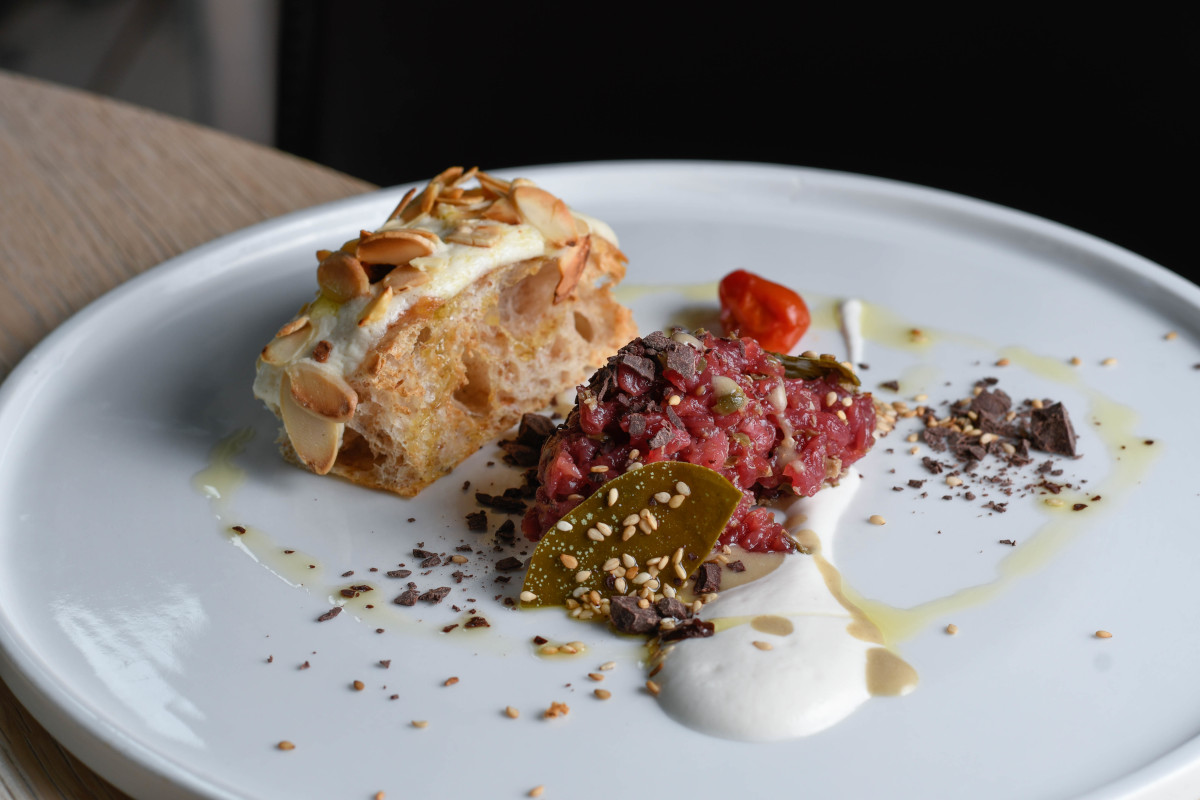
497, 187
315, 439
403, 278
404, 201
430, 195
321, 392
450, 193
503, 210
448, 176
394, 247
293, 326
571, 263
466, 176
377, 308
287, 344
342, 277
547, 213
483, 235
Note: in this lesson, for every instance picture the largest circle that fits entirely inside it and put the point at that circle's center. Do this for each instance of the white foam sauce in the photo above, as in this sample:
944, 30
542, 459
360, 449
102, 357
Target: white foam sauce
829, 664
850, 313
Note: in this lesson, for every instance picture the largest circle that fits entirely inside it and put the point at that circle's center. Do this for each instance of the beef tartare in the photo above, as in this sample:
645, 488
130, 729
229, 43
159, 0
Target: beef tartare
725, 404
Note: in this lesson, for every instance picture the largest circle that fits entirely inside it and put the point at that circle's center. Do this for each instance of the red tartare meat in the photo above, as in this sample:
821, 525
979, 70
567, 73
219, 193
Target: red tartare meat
721, 403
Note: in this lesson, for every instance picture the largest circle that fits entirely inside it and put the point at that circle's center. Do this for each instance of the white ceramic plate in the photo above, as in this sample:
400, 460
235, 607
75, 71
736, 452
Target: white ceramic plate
139, 631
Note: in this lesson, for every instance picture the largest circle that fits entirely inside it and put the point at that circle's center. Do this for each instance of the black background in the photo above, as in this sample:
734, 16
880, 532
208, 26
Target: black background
1080, 120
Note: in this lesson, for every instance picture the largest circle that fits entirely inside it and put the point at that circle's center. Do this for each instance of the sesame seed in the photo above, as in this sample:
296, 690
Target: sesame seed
953, 480
653, 688
583, 575
596, 676
1004, 362
620, 585
676, 501
628, 533
537, 791
595, 535
847, 401
613, 494
563, 525
644, 527
511, 712
599, 468
912, 437
681, 572
607, 665
1171, 335
652, 521
457, 559
603, 694
632, 519
876, 519
674, 401
628, 560
763, 645
634, 465
683, 489
450, 681
951, 629
358, 686
420, 723
550, 650
1076, 361
286, 745
1108, 362
831, 398
841, 415
1054, 501
912, 451
1103, 635
569, 561
641, 578
611, 564
662, 497
604, 528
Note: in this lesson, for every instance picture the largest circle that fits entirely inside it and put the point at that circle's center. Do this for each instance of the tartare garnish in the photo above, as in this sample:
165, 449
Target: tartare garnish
647, 527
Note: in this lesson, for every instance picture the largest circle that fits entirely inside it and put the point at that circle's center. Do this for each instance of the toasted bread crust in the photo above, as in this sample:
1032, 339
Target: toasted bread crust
448, 376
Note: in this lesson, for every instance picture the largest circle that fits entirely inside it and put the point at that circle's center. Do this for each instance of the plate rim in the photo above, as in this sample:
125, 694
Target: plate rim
138, 769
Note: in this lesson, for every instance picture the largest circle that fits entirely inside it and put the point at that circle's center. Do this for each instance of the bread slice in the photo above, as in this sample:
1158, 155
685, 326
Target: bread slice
434, 334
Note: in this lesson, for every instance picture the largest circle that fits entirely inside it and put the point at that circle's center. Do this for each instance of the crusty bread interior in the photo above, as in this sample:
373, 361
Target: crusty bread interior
448, 377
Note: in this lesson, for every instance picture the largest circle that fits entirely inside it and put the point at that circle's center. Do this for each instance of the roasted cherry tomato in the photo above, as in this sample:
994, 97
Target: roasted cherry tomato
761, 309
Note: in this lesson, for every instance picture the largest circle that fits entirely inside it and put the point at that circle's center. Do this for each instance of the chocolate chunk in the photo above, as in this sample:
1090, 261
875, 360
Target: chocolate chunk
507, 531
690, 629
504, 503
534, 430
931, 465
521, 455
999, 508
916, 484
639, 364
477, 521
330, 614
1009, 542
477, 622
637, 424
435, 595
407, 598
399, 573
736, 566
419, 553
628, 617
322, 350
993, 403
708, 578
672, 607
432, 561
509, 564
935, 438
893, 385
662, 438
681, 358
656, 341
1051, 430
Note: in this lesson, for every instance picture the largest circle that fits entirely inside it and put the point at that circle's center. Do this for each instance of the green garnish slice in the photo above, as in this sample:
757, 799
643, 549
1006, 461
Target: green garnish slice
810, 368
570, 562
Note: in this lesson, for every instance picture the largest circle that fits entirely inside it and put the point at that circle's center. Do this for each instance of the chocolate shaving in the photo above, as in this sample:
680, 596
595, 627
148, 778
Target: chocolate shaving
330, 614
432, 561
690, 629
931, 465
1051, 430
708, 578
435, 595
477, 521
477, 622
673, 608
504, 503
736, 566
637, 424
662, 438
628, 617
534, 430
407, 598
399, 573
681, 358
509, 564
